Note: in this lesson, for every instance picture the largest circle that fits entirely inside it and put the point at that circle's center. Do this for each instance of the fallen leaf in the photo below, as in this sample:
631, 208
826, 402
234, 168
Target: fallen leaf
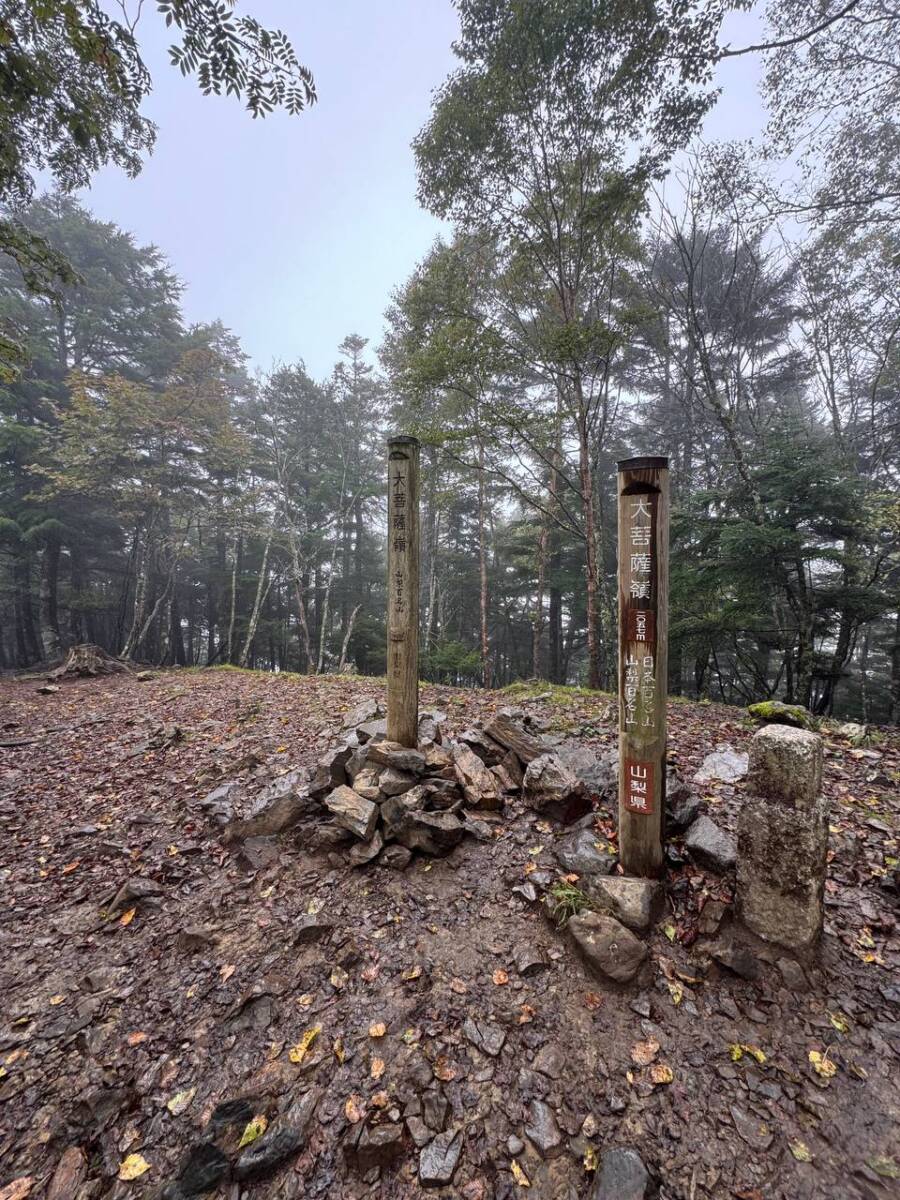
378, 1030
18, 1189
444, 1069
519, 1175
592, 1000
297, 1053
377, 1068
381, 1099
226, 972
839, 1021
127, 917
458, 986
71, 866
135, 1039
338, 978
526, 1014
676, 991
339, 1052
886, 1167
591, 1159
253, 1129
411, 973
800, 1151
822, 1064
180, 1101
133, 1167
670, 931
500, 977
58, 999
354, 1109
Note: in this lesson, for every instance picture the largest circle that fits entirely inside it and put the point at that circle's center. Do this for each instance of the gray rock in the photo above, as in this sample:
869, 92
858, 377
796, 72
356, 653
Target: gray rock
364, 852
480, 787
711, 917
584, 854
542, 1130
490, 752
219, 804
637, 903
598, 772
267, 1153
431, 833
366, 710
401, 758
395, 809
725, 764
330, 770
503, 728
550, 1060
529, 959
352, 812
394, 783
369, 730
367, 781
312, 927
484, 1036
430, 722
607, 946
548, 782
786, 766
396, 858
710, 846
435, 1109
133, 892
736, 957
439, 1159
201, 1170
376, 1146
622, 1176
792, 975
682, 804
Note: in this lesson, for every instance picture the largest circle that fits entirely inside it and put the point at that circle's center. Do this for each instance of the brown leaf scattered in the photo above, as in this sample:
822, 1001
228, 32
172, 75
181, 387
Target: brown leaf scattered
643, 1053
500, 977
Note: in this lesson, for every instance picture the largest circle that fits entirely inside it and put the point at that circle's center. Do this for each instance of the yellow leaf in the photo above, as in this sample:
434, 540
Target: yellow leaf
736, 1051
377, 1068
676, 991
661, 1073
411, 973
822, 1064
127, 917
305, 1001
226, 972
354, 1109
297, 1053
58, 999
800, 1151
643, 1053
133, 1167
519, 1175
252, 1130
839, 1021
339, 1052
378, 1030
755, 1052
670, 931
180, 1101
591, 1161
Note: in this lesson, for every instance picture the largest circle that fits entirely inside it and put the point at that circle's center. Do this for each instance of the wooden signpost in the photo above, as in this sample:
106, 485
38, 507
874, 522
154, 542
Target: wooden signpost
643, 661
403, 591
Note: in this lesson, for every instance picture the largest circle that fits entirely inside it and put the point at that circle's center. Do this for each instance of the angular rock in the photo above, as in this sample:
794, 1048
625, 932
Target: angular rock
401, 758
431, 833
439, 1159
637, 903
607, 946
682, 803
330, 771
395, 809
134, 891
529, 959
710, 846
435, 1109
267, 1153
352, 812
479, 787
489, 751
552, 789
312, 927
365, 852
779, 713
622, 1176
367, 781
736, 957
196, 937
278, 817
508, 773
542, 1130
443, 794
256, 853
484, 1036
375, 1147
503, 729
786, 766
201, 1171
396, 858
366, 710
583, 853
598, 772
725, 764
711, 917
70, 1173
218, 805
550, 1060
430, 722
394, 783
439, 761
370, 730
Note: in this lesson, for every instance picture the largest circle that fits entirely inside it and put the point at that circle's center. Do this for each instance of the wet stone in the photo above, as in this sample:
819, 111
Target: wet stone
542, 1130
622, 1176
201, 1170
395, 858
607, 946
710, 846
439, 1159
637, 903
584, 853
352, 812
725, 764
311, 928
435, 1109
484, 1036
550, 1060
376, 1147
529, 959
267, 1154
364, 852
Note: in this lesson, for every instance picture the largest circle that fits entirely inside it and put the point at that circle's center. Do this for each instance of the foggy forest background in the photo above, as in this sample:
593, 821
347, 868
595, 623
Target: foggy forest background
611, 286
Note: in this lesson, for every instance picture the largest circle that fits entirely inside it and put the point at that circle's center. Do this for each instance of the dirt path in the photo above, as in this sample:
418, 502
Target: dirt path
122, 1036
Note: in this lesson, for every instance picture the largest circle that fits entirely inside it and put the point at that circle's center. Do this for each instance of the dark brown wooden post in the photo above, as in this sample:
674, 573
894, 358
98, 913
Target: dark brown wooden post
643, 661
403, 591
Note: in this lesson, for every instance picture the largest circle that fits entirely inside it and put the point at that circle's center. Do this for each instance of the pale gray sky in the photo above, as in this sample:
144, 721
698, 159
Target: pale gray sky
294, 230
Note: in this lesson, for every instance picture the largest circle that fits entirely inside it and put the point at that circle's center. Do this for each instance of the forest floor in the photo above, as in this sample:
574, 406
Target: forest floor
120, 1035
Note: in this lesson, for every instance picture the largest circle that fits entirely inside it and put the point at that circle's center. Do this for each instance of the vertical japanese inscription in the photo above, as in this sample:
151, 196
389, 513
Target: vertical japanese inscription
643, 591
403, 589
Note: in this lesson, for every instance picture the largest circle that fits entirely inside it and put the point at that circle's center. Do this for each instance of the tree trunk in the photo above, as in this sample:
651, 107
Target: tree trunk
483, 577
585, 476
50, 635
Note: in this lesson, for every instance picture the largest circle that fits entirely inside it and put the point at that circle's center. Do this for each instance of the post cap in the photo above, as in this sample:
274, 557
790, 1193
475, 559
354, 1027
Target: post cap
403, 439
659, 462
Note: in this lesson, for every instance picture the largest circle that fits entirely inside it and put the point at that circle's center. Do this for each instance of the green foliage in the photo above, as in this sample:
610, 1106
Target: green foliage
564, 900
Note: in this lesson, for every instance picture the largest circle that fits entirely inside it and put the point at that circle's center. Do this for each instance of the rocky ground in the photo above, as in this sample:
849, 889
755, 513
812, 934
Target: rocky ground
376, 1031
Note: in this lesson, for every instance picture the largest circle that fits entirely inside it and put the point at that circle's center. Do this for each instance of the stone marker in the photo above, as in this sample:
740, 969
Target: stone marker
783, 839
607, 946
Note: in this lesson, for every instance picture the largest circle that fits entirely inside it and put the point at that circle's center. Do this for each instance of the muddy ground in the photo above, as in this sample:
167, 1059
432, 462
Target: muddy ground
120, 1037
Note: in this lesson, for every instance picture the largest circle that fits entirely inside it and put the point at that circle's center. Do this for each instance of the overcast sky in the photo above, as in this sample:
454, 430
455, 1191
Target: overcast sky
294, 230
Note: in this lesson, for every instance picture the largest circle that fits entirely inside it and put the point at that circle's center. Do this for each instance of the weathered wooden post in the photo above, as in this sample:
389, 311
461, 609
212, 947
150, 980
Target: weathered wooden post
403, 591
643, 661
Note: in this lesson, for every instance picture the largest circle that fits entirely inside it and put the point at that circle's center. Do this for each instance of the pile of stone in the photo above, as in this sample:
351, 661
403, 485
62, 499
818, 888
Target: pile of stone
394, 800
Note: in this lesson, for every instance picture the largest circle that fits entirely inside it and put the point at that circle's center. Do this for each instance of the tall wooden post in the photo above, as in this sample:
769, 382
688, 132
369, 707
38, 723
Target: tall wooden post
643, 661
403, 591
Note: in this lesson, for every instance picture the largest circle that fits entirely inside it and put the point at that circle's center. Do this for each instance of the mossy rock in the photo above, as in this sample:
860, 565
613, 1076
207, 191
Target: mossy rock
776, 712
